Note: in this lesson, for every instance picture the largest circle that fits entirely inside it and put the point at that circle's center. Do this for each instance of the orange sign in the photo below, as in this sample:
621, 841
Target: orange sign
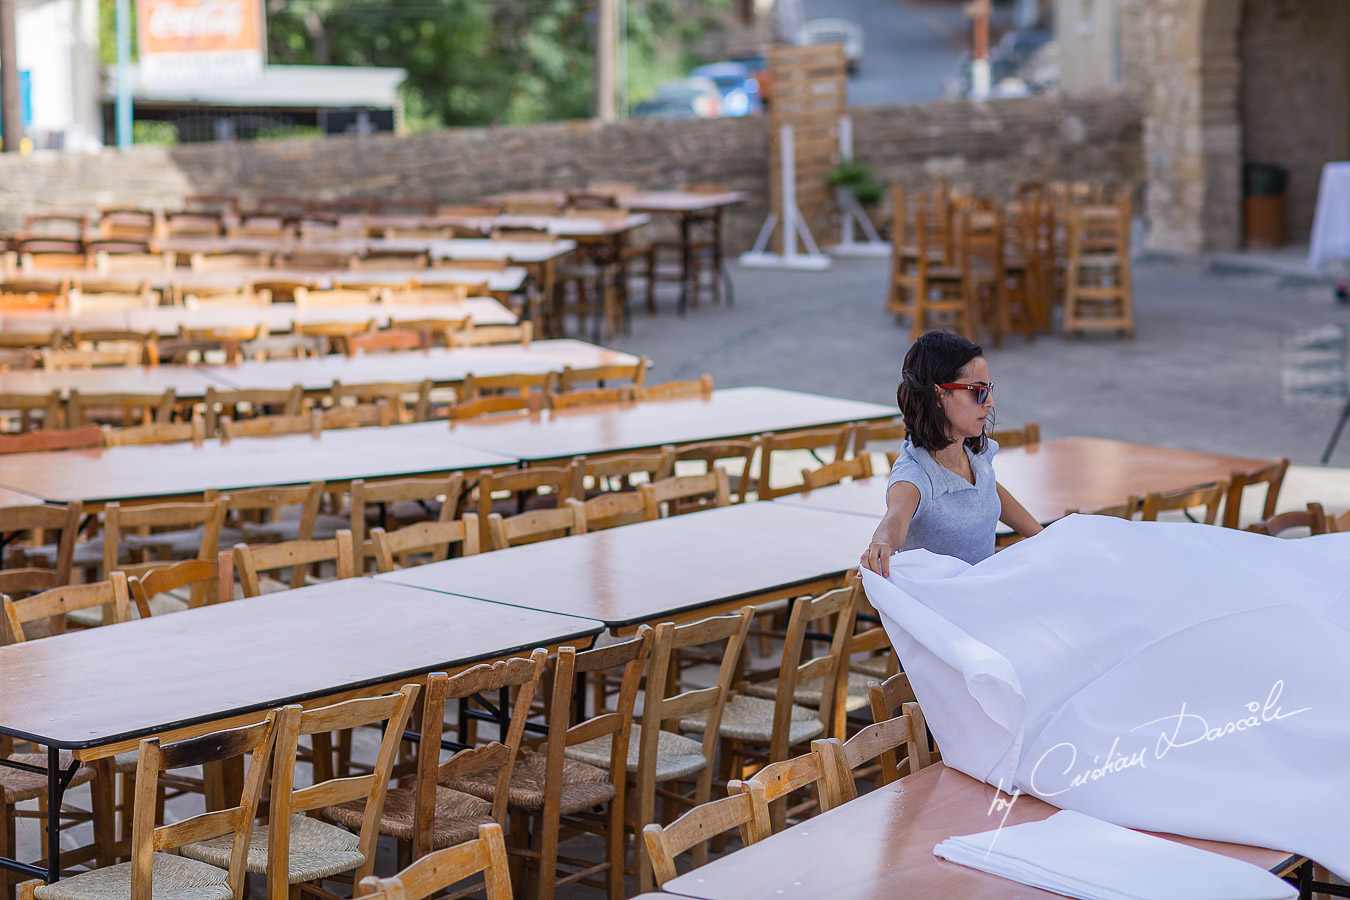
187, 42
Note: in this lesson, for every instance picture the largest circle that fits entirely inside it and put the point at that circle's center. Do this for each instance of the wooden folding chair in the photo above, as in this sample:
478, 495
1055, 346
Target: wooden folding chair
120, 408
686, 493
215, 576
252, 560
1098, 281
556, 797
292, 849
379, 414
403, 501
592, 397
782, 779
437, 871
488, 406
888, 699
36, 521
658, 754
54, 605
1272, 476
159, 433
132, 544
1209, 496
604, 376
520, 384
868, 434
841, 758
835, 472
480, 335
536, 525
678, 390
835, 439
401, 397
430, 539
723, 455
1313, 519
62, 360
432, 813
698, 826
241, 404
760, 728
152, 869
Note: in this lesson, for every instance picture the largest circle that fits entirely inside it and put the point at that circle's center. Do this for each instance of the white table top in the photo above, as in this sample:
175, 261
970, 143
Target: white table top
1330, 239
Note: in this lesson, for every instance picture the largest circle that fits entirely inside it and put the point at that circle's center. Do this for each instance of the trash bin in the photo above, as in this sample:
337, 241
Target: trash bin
1263, 188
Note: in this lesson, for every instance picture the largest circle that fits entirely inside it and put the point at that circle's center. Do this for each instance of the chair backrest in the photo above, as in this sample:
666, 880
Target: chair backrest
255, 741
779, 779
120, 521
270, 503
888, 699
39, 518
675, 390
147, 342
477, 386
83, 438
55, 603
1209, 496
700, 824
1028, 434
396, 395
518, 676
837, 471
363, 415
536, 525
388, 340
135, 408
614, 508
686, 493
234, 404
63, 360
159, 433
264, 426
437, 871
307, 297
368, 494
836, 438
877, 739
604, 376
1313, 518
615, 473
724, 454
531, 485
287, 800
216, 574
486, 406
251, 560
592, 397
522, 334
248, 296
221, 262
433, 538
1272, 476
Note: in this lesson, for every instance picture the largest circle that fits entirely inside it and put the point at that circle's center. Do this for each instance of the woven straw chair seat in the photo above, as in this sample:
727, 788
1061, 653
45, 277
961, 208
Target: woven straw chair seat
20, 785
173, 878
87, 554
809, 693
457, 815
318, 850
751, 719
873, 666
160, 604
583, 785
676, 755
326, 527
181, 543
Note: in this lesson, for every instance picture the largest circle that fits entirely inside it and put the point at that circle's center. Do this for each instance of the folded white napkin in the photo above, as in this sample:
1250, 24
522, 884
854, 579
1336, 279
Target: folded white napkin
1079, 856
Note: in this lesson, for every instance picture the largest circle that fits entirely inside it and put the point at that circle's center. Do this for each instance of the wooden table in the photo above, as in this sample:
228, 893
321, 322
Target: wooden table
278, 317
186, 381
728, 413
1055, 476
97, 692
679, 568
881, 846
163, 471
688, 207
443, 366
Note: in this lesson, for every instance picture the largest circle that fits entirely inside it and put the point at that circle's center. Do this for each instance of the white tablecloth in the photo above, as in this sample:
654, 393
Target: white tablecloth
1160, 676
1331, 224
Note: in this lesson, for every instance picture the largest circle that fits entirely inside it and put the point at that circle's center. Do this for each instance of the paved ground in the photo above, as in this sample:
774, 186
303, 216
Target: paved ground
1202, 373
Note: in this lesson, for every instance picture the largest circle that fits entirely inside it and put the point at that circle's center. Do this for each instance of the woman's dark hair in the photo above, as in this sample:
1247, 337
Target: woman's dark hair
935, 358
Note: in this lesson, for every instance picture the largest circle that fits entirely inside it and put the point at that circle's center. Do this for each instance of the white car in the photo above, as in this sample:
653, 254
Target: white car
835, 31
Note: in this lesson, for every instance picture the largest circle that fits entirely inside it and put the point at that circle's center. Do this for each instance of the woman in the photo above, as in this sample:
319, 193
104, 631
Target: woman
942, 495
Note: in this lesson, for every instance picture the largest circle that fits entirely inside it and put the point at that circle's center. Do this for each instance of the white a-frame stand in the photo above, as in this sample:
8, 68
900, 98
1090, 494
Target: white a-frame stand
852, 211
793, 227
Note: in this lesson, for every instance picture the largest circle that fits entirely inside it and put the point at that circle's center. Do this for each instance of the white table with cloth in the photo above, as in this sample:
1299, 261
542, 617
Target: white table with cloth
1165, 677
1330, 239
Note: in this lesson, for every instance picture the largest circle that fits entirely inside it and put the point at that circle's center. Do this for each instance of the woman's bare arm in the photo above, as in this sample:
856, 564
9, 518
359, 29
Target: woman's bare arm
902, 500
1015, 515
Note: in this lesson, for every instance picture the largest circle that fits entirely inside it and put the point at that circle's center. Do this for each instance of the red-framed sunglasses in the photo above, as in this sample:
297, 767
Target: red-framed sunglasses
981, 390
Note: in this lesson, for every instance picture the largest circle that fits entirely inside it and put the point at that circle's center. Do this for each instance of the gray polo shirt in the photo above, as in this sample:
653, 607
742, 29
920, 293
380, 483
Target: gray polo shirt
954, 518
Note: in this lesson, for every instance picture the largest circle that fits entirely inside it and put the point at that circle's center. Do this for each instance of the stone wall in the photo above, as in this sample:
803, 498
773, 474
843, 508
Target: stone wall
1295, 97
991, 146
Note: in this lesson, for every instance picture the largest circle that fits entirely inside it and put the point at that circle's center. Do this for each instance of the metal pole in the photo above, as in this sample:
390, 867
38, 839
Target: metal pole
788, 190
605, 40
11, 123
124, 73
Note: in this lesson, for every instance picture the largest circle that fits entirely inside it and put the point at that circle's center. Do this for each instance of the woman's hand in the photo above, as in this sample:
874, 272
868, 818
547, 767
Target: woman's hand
878, 558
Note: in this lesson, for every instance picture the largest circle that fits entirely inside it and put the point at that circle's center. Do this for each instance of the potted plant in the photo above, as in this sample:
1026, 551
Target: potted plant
858, 177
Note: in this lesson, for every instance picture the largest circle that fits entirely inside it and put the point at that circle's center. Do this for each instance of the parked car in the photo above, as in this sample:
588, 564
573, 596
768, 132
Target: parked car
738, 88
831, 31
666, 108
757, 61
701, 93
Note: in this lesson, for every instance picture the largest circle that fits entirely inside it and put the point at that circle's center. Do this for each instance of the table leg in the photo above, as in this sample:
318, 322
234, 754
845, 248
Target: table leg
1336, 435
57, 782
720, 269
